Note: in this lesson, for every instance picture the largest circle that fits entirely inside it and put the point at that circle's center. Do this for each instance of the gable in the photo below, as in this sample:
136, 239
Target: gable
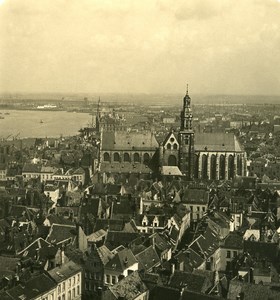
170, 142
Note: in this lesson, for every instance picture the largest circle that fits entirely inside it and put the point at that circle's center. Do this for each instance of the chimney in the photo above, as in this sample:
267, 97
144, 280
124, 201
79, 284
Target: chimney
172, 268
153, 241
62, 255
18, 268
251, 275
125, 261
37, 253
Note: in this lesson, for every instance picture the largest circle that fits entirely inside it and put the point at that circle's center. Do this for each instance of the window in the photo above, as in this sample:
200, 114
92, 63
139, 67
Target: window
106, 156
146, 158
203, 208
73, 293
175, 146
69, 295
191, 208
168, 146
63, 286
117, 157
107, 279
198, 208
59, 288
78, 278
69, 282
74, 280
78, 290
63, 297
228, 254
234, 253
126, 157
114, 279
136, 157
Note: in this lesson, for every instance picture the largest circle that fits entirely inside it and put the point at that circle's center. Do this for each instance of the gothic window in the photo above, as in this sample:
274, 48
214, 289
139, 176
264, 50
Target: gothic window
222, 170
136, 157
126, 157
106, 156
204, 166
239, 165
146, 158
213, 166
168, 146
117, 157
172, 160
186, 139
175, 146
230, 167
196, 166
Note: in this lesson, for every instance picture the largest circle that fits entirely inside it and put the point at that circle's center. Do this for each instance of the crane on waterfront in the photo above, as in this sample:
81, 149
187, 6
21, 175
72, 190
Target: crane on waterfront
15, 136
6, 138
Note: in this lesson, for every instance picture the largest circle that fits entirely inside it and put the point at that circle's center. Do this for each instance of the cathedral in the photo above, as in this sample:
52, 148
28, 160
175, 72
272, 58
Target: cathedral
208, 156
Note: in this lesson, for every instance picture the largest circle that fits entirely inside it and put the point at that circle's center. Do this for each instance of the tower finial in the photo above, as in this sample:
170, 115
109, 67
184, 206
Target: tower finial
187, 91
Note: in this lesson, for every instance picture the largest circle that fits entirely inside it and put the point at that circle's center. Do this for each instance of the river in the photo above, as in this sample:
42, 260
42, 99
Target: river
24, 123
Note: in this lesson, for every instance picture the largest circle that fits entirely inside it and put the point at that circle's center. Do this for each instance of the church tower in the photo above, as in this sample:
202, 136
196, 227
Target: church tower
186, 139
98, 117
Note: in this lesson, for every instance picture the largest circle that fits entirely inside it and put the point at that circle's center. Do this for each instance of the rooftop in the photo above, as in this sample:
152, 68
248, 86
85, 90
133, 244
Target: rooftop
65, 271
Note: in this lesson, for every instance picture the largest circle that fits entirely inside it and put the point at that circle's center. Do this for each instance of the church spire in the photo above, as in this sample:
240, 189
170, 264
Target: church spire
98, 117
186, 114
98, 107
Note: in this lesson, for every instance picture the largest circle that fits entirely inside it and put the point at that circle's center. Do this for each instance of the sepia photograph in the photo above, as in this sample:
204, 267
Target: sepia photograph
139, 149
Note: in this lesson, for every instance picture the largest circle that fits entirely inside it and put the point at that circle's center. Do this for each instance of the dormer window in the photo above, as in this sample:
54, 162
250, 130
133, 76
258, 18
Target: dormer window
144, 221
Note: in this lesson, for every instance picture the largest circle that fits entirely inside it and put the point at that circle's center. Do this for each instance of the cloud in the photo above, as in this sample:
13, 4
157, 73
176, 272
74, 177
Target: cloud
200, 9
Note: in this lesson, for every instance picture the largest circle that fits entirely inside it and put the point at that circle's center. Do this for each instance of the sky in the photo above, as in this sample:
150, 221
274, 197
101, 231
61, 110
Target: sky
140, 46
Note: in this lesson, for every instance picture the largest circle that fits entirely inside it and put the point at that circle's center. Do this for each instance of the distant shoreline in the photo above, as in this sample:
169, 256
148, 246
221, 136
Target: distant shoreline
87, 101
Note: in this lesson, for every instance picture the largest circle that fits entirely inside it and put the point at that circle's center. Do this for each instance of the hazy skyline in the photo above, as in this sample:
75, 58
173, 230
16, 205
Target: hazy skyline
126, 46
